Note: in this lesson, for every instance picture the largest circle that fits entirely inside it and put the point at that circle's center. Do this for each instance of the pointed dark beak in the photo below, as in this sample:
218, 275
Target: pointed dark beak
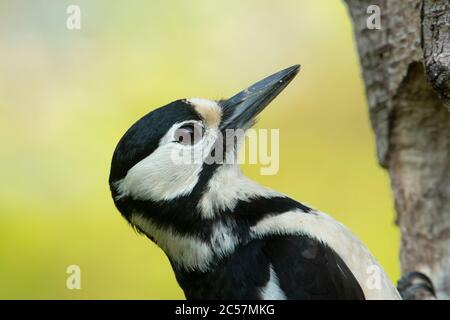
240, 111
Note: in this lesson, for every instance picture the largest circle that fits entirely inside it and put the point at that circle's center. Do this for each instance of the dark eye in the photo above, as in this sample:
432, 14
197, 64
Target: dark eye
188, 134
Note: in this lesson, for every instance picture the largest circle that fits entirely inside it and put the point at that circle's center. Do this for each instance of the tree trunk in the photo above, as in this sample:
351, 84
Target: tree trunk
406, 69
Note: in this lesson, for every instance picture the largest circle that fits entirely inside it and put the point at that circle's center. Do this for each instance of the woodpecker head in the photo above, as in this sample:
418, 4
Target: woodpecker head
164, 161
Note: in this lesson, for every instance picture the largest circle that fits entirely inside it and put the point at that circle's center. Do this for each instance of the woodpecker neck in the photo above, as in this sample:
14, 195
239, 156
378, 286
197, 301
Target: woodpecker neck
226, 188
209, 223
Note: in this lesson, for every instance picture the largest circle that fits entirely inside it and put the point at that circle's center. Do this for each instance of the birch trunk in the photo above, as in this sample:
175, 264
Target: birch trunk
406, 70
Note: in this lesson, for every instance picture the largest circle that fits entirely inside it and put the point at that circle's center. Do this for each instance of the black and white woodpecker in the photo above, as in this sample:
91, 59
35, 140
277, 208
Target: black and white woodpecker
226, 236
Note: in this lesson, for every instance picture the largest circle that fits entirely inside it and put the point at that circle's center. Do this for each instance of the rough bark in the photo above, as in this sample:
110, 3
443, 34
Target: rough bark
406, 69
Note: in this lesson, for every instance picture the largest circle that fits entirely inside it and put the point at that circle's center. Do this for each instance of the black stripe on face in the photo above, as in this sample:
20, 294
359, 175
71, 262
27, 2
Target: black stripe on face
183, 216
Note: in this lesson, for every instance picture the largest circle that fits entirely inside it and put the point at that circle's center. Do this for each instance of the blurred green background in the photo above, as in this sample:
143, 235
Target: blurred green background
67, 96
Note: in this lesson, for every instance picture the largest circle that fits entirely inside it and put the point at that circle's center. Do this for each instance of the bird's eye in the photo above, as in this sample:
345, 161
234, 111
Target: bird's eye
188, 134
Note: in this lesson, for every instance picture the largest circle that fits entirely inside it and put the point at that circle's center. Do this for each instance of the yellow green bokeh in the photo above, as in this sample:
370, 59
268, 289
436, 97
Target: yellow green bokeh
67, 96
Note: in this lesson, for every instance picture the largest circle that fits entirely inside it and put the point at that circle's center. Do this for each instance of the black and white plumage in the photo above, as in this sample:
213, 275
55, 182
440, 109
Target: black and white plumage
226, 236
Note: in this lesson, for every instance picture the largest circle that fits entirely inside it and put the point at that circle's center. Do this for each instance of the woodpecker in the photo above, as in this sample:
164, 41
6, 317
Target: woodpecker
226, 236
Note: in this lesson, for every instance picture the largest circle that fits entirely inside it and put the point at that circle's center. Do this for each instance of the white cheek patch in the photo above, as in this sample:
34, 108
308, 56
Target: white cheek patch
336, 236
171, 171
158, 178
227, 186
208, 110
